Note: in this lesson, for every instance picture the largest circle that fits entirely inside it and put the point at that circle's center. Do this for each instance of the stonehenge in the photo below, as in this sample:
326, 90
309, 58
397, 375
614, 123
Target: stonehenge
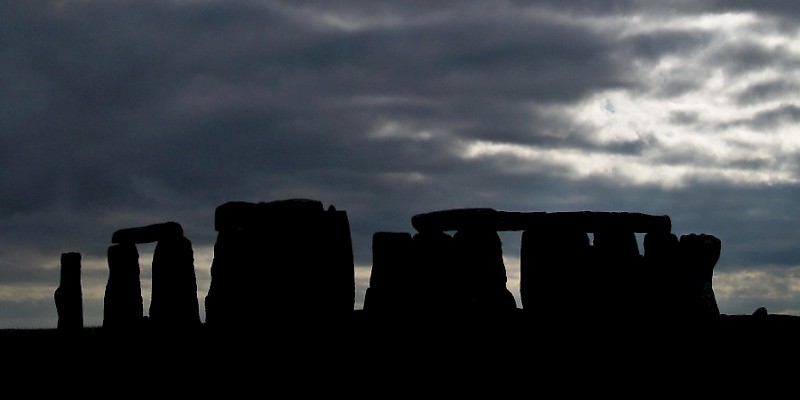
564, 275
293, 258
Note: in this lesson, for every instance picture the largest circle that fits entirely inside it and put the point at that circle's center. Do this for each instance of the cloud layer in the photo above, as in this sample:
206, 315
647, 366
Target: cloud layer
120, 113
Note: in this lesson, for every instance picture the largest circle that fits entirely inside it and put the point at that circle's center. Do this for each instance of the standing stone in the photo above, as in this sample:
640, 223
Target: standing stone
434, 286
335, 278
285, 258
123, 305
390, 280
291, 253
69, 295
479, 258
617, 268
662, 272
174, 303
553, 273
699, 254
233, 296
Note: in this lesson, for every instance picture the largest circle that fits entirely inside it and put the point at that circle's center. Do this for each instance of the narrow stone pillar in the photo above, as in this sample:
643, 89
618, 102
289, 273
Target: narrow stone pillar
479, 258
335, 278
699, 254
554, 268
390, 279
434, 276
663, 275
174, 303
617, 276
69, 294
122, 304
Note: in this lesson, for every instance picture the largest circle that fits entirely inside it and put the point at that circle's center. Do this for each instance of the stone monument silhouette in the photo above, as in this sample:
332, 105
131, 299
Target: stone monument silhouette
69, 294
174, 304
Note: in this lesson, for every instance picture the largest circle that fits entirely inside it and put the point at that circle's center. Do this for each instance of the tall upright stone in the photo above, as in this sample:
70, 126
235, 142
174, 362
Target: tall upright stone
699, 254
174, 303
69, 294
478, 254
335, 279
434, 274
123, 307
233, 296
617, 269
285, 258
391, 279
662, 272
554, 273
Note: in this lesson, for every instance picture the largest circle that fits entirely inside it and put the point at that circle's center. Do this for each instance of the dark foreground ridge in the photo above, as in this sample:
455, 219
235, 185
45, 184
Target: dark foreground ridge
283, 274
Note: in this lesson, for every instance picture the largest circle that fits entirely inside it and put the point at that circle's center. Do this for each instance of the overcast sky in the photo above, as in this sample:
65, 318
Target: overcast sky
117, 114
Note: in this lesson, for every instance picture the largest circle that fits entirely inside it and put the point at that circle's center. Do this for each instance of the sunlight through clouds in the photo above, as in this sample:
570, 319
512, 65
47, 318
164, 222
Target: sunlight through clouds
128, 113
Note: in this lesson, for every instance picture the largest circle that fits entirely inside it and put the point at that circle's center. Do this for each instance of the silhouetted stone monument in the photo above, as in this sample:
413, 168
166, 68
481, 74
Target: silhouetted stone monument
173, 303
434, 286
148, 233
336, 284
663, 273
479, 259
69, 294
123, 307
582, 221
554, 272
280, 259
392, 274
616, 272
699, 254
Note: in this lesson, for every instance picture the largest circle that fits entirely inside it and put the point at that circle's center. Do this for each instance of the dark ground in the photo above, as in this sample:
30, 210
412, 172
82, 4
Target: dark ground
373, 357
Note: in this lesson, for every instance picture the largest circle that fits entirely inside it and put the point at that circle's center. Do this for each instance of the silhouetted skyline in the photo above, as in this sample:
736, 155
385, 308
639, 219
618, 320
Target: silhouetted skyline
132, 113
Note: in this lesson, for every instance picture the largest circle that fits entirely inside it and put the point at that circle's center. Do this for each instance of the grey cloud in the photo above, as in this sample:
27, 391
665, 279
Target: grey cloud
120, 114
683, 117
750, 56
769, 119
763, 91
653, 45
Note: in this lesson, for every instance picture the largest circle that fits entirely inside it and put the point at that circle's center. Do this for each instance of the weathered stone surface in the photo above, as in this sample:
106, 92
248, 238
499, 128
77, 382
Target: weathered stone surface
148, 234
583, 221
174, 303
122, 305
69, 294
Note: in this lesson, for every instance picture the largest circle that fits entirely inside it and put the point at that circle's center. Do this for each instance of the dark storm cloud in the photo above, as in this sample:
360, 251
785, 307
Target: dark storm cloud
118, 114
